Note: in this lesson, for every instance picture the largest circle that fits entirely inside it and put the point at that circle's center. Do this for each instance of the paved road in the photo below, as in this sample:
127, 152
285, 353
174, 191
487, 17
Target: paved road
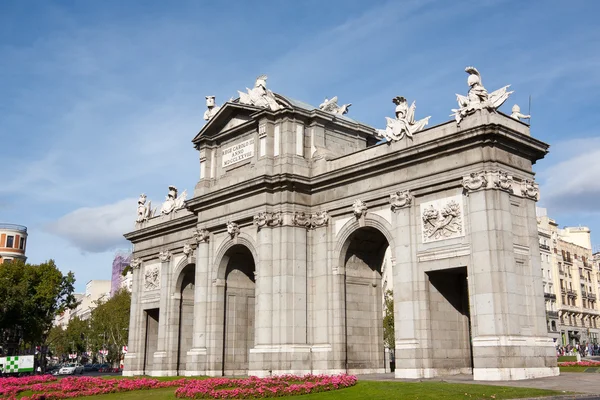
581, 382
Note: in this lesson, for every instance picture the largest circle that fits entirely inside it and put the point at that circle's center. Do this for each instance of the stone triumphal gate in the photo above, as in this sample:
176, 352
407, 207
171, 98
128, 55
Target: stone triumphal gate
273, 265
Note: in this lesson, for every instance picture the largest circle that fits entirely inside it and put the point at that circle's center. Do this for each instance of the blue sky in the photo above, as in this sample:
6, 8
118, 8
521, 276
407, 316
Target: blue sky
100, 100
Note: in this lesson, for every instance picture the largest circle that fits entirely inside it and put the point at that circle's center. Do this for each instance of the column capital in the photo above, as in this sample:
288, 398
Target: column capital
165, 256
400, 199
201, 235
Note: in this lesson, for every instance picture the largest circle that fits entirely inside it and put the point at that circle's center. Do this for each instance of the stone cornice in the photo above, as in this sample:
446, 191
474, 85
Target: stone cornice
163, 228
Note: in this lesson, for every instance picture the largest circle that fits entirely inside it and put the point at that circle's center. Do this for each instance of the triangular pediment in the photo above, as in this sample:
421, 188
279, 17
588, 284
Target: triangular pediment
230, 116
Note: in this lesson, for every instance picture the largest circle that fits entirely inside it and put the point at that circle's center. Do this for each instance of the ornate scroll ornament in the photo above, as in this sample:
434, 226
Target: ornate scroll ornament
400, 199
152, 278
188, 249
503, 181
404, 123
530, 189
478, 97
164, 256
260, 96
475, 181
135, 263
320, 218
331, 106
233, 229
301, 219
268, 219
442, 219
201, 235
212, 108
359, 208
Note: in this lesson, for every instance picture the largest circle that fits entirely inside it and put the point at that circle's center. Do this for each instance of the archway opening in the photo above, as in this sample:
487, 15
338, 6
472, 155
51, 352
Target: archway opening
239, 310
187, 280
363, 266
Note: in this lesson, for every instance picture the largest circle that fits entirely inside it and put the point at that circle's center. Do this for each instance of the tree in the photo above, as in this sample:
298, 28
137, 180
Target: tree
30, 297
389, 339
109, 325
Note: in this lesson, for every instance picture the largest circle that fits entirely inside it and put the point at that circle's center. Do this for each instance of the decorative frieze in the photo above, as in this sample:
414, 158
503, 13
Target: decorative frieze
475, 181
233, 229
188, 248
164, 256
530, 189
201, 235
135, 263
503, 181
359, 208
152, 277
400, 199
310, 221
442, 219
268, 219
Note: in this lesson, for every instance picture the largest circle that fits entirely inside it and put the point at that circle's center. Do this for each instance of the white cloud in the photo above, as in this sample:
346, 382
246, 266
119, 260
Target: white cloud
573, 184
97, 229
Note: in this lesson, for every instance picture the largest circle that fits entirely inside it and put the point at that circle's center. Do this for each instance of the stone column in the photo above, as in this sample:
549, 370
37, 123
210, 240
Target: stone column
196, 357
505, 347
134, 359
162, 363
412, 341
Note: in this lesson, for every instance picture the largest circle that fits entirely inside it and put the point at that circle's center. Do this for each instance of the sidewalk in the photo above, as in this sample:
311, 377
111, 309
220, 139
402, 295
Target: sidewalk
581, 382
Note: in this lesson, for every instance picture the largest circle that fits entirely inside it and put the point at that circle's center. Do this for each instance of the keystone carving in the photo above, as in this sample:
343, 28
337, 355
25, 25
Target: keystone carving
164, 256
530, 189
503, 181
201, 235
400, 199
189, 248
359, 208
475, 181
233, 229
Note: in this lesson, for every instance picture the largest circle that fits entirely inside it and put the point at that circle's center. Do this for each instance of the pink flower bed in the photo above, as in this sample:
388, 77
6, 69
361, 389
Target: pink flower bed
579, 364
253, 387
48, 387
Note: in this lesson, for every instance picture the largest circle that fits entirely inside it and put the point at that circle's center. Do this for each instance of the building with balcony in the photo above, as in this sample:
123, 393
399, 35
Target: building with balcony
570, 281
13, 242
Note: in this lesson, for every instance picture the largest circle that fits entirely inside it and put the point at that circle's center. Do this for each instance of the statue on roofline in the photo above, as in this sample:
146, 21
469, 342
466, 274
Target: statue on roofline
404, 123
516, 113
478, 97
331, 106
173, 202
260, 96
213, 109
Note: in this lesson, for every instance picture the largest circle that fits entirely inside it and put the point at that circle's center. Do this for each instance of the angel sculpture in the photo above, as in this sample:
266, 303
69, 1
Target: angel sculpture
144, 212
478, 97
516, 113
331, 106
260, 96
405, 123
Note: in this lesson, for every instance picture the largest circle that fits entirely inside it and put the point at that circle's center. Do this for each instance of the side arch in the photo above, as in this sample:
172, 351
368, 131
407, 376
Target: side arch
221, 259
372, 221
177, 273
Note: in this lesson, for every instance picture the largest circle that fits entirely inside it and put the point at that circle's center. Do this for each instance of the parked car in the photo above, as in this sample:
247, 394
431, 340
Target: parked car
88, 368
71, 369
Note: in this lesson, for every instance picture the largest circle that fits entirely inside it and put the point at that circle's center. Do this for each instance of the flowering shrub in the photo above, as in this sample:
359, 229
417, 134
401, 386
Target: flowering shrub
48, 387
253, 387
579, 364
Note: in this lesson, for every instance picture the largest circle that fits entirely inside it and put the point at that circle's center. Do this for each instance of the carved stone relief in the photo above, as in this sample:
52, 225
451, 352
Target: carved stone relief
442, 219
201, 235
475, 181
400, 199
152, 277
310, 221
188, 249
164, 256
268, 219
530, 189
503, 181
135, 263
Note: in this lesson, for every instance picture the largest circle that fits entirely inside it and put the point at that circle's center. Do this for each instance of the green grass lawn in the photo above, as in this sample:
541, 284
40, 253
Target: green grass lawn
377, 391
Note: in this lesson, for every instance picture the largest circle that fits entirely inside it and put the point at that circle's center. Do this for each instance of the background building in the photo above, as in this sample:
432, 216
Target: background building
570, 282
13, 241
95, 290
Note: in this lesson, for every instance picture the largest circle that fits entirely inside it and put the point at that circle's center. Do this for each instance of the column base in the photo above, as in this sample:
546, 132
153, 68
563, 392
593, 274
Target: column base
284, 359
196, 362
133, 365
513, 374
160, 365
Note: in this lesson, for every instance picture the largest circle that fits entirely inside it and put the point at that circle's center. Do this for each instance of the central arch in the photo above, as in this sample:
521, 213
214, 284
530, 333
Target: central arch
363, 257
239, 309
